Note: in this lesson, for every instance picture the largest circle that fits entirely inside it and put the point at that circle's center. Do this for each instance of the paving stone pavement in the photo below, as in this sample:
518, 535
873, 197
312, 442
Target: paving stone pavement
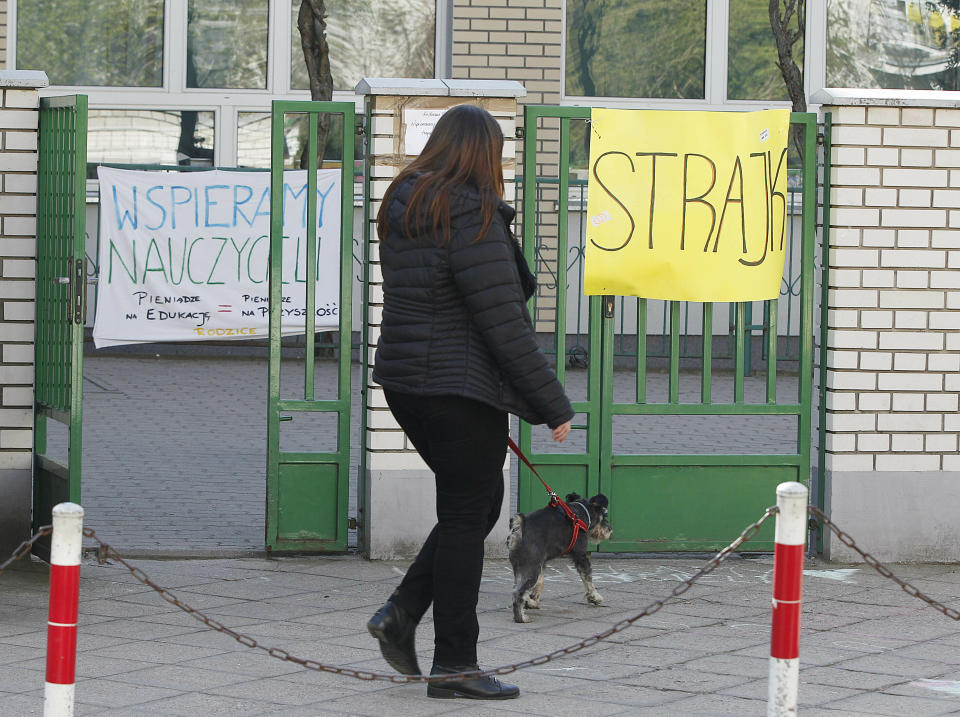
174, 446
174, 465
867, 648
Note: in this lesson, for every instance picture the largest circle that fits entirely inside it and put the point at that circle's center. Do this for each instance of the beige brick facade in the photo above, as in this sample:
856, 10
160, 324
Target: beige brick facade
893, 387
518, 40
894, 337
18, 248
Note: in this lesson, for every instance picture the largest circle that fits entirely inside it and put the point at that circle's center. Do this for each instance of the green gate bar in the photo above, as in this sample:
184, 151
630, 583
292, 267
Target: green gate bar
61, 299
739, 351
569, 471
706, 377
308, 492
820, 492
654, 498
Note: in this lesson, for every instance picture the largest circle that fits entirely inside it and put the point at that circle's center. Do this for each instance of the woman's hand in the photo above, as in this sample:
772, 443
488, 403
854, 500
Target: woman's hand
561, 432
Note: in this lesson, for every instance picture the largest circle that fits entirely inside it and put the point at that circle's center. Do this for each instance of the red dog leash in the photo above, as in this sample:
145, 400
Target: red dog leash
578, 523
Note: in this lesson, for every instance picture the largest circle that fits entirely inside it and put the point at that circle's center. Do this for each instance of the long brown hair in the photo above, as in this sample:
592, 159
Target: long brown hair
465, 148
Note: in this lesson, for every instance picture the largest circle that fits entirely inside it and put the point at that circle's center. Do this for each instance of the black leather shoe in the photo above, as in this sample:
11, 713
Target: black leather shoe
395, 629
475, 688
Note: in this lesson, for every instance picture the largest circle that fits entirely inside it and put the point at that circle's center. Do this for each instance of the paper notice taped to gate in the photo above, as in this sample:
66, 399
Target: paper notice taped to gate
687, 206
185, 256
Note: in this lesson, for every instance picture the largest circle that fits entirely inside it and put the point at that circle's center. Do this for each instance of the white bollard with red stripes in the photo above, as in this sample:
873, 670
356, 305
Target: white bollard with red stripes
65, 549
790, 539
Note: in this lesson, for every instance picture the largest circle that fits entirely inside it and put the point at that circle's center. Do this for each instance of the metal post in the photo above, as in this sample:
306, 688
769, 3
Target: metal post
65, 549
790, 538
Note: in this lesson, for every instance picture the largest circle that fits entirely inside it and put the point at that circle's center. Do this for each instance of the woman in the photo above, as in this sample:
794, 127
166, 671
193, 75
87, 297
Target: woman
457, 353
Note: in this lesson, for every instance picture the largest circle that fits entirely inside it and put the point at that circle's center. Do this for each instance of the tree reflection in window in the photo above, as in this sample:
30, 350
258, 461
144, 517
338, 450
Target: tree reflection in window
107, 43
636, 48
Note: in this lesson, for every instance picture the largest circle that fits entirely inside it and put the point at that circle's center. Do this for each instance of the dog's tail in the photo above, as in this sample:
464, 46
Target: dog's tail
516, 531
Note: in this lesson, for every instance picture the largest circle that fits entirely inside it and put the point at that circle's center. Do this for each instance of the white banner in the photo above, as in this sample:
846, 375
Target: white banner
184, 256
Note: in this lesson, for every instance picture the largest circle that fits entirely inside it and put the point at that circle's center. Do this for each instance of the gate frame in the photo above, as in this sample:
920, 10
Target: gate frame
58, 386
599, 460
337, 462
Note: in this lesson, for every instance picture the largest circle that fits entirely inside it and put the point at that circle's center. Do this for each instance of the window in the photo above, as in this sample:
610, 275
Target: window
227, 43
643, 48
371, 38
893, 44
104, 43
253, 139
663, 53
129, 136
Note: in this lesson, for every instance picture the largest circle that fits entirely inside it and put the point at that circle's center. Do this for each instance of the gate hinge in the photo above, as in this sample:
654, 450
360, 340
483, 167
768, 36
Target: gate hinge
609, 306
821, 138
359, 128
353, 523
519, 133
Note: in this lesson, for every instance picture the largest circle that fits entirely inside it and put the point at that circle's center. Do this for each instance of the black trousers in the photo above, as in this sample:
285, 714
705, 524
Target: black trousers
465, 443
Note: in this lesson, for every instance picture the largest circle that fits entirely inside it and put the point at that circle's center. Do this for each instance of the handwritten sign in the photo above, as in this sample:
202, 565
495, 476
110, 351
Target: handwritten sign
686, 206
185, 256
419, 124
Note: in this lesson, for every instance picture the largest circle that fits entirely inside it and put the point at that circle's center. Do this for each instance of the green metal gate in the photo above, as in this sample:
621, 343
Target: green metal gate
307, 488
687, 489
61, 301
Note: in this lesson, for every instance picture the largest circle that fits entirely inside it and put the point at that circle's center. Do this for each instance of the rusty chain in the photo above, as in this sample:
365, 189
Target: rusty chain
24, 548
106, 551
909, 589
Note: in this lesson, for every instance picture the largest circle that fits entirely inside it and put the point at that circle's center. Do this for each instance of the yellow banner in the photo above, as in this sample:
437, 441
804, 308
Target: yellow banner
687, 206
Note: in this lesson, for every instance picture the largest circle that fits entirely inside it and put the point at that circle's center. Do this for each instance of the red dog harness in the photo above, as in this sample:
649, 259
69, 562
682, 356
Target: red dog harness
578, 523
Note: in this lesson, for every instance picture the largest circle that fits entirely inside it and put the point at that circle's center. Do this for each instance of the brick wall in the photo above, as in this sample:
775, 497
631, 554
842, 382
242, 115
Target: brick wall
18, 206
894, 329
894, 326
520, 40
517, 40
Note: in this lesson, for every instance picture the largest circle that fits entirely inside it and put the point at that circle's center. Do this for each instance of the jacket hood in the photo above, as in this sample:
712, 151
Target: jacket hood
464, 200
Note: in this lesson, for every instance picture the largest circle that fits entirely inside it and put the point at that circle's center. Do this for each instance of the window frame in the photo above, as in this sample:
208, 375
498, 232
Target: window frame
715, 66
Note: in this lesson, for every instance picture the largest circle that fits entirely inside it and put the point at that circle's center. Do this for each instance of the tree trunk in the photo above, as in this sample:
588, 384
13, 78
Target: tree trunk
312, 23
786, 38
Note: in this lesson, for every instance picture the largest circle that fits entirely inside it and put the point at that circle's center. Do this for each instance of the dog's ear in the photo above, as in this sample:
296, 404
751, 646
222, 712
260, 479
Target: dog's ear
600, 500
571, 497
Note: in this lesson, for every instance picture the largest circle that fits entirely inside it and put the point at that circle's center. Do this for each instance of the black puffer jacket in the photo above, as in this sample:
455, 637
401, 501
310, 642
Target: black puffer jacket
455, 321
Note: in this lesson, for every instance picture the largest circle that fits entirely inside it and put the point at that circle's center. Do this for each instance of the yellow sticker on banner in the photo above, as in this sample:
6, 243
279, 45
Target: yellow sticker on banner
687, 206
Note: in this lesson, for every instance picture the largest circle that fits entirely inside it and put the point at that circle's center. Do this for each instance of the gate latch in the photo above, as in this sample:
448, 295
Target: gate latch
608, 306
79, 291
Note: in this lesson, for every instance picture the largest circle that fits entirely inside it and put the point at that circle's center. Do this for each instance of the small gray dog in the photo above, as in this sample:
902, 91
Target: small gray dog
545, 534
